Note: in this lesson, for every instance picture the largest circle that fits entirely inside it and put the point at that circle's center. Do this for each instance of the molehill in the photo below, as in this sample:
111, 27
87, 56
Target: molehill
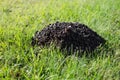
68, 37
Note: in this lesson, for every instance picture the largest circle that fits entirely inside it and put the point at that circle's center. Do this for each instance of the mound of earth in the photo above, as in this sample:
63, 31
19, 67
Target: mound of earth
68, 36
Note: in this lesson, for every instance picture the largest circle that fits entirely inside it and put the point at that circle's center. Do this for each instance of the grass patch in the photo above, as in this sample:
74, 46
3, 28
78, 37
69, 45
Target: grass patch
21, 18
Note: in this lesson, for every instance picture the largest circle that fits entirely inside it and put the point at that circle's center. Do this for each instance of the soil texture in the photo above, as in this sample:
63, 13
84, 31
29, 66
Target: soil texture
68, 36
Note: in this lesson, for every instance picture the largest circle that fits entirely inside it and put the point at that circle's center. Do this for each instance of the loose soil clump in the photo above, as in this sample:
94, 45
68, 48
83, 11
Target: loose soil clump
69, 37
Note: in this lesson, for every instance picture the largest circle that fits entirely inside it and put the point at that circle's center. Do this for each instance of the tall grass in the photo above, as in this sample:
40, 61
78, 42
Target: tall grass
19, 19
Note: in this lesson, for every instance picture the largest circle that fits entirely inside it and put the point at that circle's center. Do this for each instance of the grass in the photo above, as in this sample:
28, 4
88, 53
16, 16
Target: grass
19, 19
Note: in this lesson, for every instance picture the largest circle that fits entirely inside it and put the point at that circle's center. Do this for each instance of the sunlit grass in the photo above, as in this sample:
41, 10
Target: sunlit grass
19, 19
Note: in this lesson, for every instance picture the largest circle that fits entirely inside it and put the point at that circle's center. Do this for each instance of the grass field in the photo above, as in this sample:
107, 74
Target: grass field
19, 19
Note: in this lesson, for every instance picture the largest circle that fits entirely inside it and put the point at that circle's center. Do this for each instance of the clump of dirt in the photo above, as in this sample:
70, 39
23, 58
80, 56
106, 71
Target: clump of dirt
68, 36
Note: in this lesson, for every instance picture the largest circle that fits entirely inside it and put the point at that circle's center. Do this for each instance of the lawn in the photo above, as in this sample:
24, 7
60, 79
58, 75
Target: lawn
20, 19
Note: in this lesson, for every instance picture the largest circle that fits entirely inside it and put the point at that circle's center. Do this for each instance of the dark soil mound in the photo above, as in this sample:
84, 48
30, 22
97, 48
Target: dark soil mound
68, 36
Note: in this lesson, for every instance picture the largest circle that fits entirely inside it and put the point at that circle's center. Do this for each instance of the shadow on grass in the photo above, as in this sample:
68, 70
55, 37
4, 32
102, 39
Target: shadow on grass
102, 51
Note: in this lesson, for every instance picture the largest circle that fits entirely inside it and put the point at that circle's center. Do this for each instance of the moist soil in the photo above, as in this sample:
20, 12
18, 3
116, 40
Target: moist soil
68, 36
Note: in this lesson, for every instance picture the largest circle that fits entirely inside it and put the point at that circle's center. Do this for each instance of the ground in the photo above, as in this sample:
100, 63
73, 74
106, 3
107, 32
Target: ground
20, 19
71, 37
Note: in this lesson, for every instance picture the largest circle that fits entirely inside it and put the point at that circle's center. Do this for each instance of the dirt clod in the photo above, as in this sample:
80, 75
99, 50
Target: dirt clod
68, 36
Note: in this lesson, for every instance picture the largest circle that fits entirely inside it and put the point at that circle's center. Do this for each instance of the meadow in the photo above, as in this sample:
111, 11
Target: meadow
20, 19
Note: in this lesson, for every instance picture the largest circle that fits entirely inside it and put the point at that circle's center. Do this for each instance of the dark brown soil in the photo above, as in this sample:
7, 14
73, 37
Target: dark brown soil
68, 36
